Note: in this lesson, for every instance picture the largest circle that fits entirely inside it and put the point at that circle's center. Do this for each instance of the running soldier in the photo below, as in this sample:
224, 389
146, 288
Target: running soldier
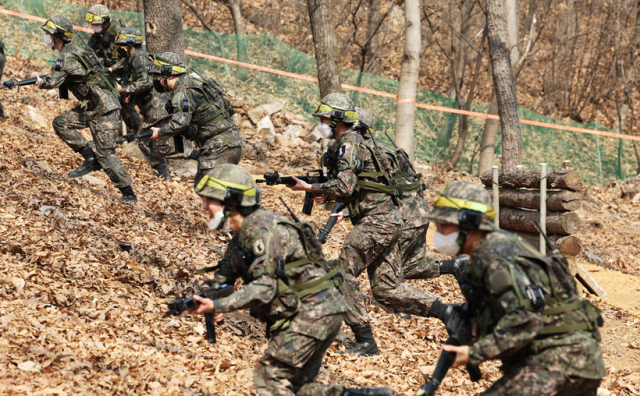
360, 178
200, 112
287, 284
80, 69
525, 305
137, 89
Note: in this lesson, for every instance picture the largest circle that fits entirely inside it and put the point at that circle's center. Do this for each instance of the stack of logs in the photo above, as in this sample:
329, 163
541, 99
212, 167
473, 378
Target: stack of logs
520, 206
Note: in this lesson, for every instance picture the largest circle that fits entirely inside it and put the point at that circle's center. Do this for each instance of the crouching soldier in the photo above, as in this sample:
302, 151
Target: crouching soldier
287, 284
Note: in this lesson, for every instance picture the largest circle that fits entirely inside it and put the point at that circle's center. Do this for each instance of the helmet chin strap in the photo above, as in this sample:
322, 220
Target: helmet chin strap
225, 217
462, 239
166, 83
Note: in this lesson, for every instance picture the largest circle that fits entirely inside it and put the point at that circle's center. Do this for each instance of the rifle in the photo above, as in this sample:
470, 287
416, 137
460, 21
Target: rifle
130, 137
459, 329
10, 84
178, 306
312, 176
324, 234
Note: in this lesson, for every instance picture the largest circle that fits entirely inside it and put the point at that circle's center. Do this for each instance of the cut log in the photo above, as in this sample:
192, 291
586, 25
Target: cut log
567, 244
562, 223
563, 179
589, 283
557, 201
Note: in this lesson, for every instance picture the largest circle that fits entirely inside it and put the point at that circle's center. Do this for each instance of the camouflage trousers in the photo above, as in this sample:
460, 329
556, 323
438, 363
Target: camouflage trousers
292, 362
104, 129
413, 249
214, 151
130, 116
535, 380
372, 245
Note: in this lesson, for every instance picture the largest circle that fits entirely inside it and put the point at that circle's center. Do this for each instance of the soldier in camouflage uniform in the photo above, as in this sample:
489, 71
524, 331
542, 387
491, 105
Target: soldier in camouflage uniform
357, 177
413, 209
78, 67
201, 113
103, 42
287, 284
3, 60
525, 305
137, 89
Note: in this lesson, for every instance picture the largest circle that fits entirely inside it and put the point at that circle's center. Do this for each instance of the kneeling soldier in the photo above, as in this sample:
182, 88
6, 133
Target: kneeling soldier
287, 284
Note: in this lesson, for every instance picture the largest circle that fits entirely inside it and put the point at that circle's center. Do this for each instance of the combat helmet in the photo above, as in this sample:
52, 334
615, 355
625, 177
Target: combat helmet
168, 64
338, 108
464, 204
365, 121
98, 14
230, 184
129, 36
60, 27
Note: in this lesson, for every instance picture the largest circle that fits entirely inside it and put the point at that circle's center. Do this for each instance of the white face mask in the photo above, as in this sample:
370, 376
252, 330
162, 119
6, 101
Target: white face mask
48, 40
446, 244
325, 130
96, 28
217, 219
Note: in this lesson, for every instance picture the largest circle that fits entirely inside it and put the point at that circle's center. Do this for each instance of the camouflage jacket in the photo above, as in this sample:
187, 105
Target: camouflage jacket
352, 159
514, 333
104, 44
84, 78
200, 112
267, 238
137, 79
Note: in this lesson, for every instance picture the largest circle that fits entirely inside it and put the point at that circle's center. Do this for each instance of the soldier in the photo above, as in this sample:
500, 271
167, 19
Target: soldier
137, 89
201, 113
413, 209
79, 68
3, 60
287, 284
103, 42
526, 308
360, 178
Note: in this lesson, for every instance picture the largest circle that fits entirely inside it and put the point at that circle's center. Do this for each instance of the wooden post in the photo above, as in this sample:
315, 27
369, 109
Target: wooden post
496, 196
543, 207
567, 164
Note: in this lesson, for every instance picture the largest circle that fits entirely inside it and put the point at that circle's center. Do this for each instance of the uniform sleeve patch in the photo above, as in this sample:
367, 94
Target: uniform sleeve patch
259, 247
341, 151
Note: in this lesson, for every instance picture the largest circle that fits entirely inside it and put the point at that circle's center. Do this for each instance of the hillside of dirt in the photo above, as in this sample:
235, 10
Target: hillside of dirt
85, 278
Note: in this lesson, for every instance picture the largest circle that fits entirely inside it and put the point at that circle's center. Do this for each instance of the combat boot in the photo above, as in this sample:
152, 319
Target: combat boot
455, 266
381, 391
89, 165
162, 171
128, 195
365, 343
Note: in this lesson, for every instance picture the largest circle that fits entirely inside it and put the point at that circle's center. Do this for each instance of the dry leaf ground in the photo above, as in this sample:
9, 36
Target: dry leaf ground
84, 282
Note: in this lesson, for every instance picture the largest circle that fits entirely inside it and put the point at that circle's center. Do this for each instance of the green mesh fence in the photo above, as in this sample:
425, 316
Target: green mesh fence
602, 159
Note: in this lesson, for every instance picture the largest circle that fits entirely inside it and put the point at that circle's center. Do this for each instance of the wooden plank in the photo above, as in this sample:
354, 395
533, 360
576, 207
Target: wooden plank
589, 283
563, 179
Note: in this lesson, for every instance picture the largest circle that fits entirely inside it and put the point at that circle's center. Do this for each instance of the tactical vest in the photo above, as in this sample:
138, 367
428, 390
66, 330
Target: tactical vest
550, 290
289, 297
96, 73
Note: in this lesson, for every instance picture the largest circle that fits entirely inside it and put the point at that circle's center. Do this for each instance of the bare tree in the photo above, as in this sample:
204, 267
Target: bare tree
163, 23
504, 85
325, 42
235, 7
405, 109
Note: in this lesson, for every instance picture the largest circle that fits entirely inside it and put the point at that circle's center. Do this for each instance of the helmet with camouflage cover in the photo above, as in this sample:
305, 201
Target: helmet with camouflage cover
168, 64
337, 107
98, 14
465, 204
129, 36
59, 26
365, 120
231, 185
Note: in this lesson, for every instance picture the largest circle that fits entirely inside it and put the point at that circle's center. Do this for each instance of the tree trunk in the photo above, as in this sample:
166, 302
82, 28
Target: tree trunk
489, 135
557, 201
163, 24
324, 40
373, 25
568, 245
563, 223
564, 179
504, 85
235, 6
405, 109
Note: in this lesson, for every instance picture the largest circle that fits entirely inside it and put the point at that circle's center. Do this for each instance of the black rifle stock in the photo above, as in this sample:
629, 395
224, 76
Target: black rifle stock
130, 137
324, 234
179, 305
459, 329
312, 176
